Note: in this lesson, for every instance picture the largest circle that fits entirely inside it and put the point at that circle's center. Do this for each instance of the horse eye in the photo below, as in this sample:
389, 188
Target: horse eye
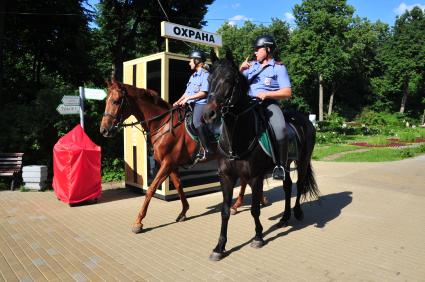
116, 102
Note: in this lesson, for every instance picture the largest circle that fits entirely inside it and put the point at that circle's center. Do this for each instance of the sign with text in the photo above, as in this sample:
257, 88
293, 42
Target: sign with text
94, 94
68, 110
185, 33
68, 100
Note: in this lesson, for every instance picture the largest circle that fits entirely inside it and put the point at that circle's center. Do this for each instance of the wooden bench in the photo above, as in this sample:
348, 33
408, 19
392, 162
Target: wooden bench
11, 166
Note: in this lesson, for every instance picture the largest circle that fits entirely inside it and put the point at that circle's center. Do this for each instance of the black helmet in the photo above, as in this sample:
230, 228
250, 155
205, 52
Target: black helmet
198, 54
265, 41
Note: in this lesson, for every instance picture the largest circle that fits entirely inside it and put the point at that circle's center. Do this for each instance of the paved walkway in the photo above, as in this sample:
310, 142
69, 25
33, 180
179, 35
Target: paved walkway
368, 226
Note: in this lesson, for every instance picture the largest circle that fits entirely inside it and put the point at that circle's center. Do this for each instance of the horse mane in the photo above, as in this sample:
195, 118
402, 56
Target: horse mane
149, 94
227, 68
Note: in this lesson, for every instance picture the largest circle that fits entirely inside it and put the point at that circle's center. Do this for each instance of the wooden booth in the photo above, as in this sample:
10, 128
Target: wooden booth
167, 73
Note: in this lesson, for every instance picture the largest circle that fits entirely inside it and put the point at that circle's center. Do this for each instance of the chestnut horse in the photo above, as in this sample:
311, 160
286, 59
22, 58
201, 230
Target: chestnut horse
163, 125
242, 157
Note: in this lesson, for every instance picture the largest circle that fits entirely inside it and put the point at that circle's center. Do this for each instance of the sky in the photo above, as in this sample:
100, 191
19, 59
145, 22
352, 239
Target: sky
259, 12
235, 12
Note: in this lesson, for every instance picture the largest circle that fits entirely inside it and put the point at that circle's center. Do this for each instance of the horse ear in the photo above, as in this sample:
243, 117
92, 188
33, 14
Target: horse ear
213, 56
229, 55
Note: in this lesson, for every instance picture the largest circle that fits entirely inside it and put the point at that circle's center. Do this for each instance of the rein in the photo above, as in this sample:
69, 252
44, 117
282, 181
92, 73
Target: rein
146, 122
158, 117
227, 105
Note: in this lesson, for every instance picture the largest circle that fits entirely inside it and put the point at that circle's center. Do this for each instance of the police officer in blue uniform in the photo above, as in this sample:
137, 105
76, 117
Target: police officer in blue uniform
196, 95
269, 82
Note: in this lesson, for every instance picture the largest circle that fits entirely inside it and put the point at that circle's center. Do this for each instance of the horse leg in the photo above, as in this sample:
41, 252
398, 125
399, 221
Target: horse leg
298, 212
161, 175
257, 193
239, 200
227, 183
175, 178
287, 187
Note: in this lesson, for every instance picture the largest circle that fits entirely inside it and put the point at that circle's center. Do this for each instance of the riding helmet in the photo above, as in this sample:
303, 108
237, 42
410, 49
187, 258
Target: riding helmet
265, 41
198, 54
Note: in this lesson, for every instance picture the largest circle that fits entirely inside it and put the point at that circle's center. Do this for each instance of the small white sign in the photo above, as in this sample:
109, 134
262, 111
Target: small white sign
68, 110
185, 33
94, 94
68, 100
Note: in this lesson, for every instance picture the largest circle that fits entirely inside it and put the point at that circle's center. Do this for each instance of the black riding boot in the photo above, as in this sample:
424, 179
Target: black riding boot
281, 159
202, 136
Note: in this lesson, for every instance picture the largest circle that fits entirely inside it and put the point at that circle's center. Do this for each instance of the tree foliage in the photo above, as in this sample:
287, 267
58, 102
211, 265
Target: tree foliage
49, 47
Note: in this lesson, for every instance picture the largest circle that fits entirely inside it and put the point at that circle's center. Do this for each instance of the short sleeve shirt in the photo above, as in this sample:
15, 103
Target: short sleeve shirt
198, 82
272, 78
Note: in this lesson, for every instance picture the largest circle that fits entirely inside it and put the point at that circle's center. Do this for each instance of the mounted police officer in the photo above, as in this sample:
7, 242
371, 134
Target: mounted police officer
196, 95
269, 81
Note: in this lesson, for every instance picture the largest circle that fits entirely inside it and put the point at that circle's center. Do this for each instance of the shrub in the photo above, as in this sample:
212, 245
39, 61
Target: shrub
112, 170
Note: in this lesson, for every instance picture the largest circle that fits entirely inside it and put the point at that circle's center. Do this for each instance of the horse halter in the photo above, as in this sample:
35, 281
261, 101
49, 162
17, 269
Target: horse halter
119, 111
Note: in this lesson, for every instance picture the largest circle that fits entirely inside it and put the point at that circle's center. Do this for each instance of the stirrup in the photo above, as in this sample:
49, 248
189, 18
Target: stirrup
279, 172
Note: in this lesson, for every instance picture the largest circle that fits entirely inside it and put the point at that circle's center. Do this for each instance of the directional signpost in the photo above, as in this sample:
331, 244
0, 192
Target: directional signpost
72, 105
68, 110
94, 94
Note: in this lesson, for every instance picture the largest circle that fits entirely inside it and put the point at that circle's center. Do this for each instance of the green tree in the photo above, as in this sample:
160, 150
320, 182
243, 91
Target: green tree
403, 59
241, 40
319, 46
130, 29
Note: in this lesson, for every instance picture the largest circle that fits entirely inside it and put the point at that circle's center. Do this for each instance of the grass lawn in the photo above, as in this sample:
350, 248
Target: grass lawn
321, 151
382, 154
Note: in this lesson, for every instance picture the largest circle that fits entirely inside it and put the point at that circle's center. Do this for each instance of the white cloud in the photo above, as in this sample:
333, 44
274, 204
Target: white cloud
403, 7
234, 19
289, 17
236, 5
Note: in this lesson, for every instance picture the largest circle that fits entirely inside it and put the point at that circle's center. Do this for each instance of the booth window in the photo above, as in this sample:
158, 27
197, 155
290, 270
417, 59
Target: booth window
153, 77
179, 74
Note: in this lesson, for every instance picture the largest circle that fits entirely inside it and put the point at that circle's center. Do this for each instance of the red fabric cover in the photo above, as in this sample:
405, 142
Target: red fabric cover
76, 167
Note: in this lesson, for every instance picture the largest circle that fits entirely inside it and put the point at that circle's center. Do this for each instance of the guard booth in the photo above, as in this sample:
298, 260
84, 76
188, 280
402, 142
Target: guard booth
167, 73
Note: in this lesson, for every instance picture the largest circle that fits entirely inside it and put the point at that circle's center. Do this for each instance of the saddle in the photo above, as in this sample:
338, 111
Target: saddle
214, 129
267, 142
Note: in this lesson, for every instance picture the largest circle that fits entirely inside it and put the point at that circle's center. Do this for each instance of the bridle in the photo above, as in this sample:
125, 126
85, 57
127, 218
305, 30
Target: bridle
115, 117
145, 122
226, 108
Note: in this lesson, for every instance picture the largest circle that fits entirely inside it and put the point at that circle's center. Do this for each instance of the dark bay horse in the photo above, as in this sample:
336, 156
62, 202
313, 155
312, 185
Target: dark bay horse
241, 157
172, 145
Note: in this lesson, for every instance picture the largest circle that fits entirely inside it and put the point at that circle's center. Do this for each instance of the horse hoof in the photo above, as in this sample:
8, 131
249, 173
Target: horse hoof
233, 211
181, 218
216, 256
257, 243
137, 228
299, 215
282, 223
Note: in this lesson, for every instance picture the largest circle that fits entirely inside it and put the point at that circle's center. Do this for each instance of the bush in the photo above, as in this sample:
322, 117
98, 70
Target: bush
382, 119
112, 170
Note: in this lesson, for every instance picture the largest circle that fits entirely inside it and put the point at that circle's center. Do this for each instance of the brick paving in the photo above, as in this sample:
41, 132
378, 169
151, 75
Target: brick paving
367, 226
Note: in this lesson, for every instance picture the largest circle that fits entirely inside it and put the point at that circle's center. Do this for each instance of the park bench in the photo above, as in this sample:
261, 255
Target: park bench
10, 166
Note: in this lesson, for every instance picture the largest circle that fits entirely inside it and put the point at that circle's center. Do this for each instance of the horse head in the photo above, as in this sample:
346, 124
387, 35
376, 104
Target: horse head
115, 108
226, 86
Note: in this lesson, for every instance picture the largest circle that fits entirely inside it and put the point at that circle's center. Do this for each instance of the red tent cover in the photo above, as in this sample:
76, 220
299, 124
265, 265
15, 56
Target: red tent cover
76, 167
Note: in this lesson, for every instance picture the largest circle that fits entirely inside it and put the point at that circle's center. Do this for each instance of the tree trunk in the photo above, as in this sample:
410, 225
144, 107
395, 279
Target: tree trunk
331, 100
404, 99
320, 97
423, 119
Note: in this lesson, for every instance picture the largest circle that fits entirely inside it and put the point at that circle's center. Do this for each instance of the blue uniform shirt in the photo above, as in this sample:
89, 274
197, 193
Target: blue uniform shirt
198, 82
273, 78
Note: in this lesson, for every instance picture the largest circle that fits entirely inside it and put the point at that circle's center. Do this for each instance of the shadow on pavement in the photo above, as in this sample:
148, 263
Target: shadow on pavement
318, 213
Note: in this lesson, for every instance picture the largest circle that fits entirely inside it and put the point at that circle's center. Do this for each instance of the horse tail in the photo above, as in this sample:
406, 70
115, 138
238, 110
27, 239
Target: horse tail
309, 188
